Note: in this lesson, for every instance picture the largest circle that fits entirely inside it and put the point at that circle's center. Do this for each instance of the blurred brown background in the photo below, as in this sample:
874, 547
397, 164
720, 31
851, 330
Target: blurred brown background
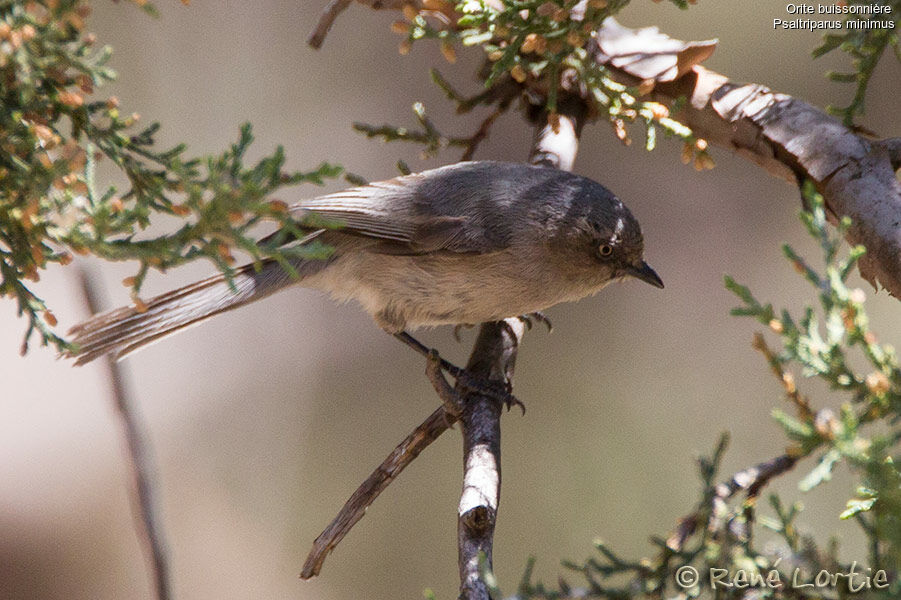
265, 420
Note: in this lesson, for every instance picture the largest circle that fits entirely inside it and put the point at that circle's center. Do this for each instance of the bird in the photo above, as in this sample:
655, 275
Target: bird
467, 243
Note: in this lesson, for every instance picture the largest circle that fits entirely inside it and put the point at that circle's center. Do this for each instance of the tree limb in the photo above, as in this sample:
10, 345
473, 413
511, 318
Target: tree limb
355, 507
785, 136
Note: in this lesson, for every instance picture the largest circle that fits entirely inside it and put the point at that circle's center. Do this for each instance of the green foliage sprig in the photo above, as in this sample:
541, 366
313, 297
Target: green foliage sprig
52, 134
865, 45
825, 351
542, 44
429, 136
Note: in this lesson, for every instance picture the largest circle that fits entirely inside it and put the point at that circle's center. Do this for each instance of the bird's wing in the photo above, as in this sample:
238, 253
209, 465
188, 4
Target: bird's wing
401, 217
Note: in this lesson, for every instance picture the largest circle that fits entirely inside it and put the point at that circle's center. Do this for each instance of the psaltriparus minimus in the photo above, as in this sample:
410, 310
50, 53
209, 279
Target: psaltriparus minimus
466, 243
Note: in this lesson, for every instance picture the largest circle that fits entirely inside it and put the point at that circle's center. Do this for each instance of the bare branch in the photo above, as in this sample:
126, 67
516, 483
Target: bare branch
405, 452
336, 7
355, 507
481, 133
140, 460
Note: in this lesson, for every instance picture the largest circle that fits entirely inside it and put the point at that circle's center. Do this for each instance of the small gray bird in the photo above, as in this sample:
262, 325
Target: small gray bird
462, 244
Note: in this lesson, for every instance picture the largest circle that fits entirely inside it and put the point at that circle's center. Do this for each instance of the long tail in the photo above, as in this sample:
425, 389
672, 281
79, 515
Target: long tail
122, 331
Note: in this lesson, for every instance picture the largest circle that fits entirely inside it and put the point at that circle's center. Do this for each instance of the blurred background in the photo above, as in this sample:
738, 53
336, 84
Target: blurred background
265, 420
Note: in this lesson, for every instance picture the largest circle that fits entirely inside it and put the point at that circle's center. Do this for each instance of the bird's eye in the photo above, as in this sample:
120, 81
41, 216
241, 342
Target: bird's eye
605, 250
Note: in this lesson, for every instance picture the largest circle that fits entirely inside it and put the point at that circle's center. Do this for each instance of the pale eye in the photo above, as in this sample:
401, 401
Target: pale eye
605, 250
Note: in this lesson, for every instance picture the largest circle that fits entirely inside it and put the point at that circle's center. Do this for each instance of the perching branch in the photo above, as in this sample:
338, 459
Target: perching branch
493, 358
140, 460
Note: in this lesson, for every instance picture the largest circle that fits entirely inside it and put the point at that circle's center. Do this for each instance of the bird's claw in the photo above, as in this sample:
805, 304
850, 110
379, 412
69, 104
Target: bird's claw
492, 389
510, 401
538, 316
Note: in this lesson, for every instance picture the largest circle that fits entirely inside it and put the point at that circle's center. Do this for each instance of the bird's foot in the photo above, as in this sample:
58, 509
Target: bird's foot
495, 390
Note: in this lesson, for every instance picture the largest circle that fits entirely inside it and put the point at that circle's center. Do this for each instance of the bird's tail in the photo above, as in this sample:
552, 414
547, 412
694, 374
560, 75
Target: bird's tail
121, 331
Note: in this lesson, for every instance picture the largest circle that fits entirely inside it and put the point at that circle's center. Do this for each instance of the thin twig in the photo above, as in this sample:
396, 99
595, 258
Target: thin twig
329, 14
753, 479
792, 393
139, 456
481, 133
431, 137
355, 507
503, 92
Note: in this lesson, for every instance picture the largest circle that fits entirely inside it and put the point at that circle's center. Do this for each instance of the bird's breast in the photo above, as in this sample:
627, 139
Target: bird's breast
450, 288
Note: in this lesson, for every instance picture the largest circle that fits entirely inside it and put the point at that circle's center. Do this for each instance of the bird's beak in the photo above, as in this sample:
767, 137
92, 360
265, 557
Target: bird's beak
645, 273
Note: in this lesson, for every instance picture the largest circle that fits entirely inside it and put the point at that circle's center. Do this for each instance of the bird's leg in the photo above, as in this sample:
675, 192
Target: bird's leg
453, 403
454, 371
461, 375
